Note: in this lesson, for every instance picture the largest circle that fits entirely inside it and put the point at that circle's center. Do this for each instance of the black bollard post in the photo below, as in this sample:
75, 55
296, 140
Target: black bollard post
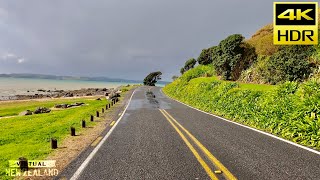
23, 164
97, 113
83, 123
102, 110
54, 143
107, 106
73, 131
91, 117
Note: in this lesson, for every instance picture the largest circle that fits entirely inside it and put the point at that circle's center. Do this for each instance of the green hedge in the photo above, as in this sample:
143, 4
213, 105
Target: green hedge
290, 110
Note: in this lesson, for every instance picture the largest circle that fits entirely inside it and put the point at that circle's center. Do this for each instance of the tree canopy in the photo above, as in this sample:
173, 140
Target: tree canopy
205, 57
174, 77
230, 56
152, 78
188, 65
290, 63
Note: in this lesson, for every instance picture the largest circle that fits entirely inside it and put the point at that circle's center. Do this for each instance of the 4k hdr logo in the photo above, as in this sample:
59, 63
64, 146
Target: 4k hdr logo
295, 23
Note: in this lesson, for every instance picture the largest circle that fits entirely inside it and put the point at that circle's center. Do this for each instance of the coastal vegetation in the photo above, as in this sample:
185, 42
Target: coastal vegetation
272, 88
152, 78
13, 108
29, 136
189, 64
289, 110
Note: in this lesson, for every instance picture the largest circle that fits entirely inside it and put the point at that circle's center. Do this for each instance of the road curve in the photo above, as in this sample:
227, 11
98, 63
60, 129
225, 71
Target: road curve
159, 138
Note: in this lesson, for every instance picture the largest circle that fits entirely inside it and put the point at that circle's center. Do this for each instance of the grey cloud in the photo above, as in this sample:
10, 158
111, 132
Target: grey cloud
125, 39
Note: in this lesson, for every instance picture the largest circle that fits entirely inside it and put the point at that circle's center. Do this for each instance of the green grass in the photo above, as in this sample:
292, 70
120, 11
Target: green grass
243, 86
13, 108
257, 87
289, 110
29, 136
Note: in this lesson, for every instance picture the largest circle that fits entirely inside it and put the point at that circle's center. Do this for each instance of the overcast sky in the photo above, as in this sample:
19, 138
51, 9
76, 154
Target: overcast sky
118, 38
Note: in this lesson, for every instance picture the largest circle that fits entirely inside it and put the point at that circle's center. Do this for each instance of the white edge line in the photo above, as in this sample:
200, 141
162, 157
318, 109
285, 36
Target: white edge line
256, 130
95, 150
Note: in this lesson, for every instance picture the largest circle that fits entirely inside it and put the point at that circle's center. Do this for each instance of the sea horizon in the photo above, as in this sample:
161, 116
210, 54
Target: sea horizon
10, 86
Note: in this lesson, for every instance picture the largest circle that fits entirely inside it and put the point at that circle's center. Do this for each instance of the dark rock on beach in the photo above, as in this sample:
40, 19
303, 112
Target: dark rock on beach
64, 106
25, 113
68, 94
109, 93
61, 106
41, 110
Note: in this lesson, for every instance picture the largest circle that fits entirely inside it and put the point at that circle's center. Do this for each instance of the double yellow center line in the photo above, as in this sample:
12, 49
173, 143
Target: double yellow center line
220, 167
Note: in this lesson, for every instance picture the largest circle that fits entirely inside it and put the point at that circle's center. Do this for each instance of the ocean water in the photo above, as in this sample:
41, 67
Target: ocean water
21, 86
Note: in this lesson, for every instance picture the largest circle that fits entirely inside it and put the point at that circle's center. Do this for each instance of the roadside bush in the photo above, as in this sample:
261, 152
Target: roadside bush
258, 72
248, 57
198, 71
232, 56
290, 63
290, 111
189, 64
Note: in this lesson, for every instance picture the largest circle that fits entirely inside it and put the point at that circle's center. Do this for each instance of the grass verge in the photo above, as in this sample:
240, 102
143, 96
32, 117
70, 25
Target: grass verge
29, 136
290, 110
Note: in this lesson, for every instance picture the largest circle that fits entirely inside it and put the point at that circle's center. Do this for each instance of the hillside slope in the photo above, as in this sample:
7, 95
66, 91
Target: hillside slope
288, 110
262, 40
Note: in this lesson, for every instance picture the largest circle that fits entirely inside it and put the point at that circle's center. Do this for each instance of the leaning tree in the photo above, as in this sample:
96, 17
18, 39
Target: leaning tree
152, 78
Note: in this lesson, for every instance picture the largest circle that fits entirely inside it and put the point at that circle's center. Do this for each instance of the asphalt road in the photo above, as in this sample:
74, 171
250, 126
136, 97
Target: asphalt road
159, 138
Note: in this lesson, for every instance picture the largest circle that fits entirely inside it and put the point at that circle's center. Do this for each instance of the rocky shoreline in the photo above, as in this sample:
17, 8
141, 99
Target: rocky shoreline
45, 94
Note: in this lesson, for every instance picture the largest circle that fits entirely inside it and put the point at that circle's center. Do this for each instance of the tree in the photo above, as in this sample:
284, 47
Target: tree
205, 56
174, 77
248, 57
152, 78
230, 57
290, 63
189, 64
182, 70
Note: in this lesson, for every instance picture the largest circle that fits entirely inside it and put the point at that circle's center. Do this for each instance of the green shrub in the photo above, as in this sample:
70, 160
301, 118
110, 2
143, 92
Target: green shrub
205, 57
232, 56
287, 88
198, 71
290, 63
188, 65
257, 72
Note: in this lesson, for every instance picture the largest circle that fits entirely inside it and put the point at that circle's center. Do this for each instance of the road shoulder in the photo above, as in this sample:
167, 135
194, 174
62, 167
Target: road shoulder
73, 150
